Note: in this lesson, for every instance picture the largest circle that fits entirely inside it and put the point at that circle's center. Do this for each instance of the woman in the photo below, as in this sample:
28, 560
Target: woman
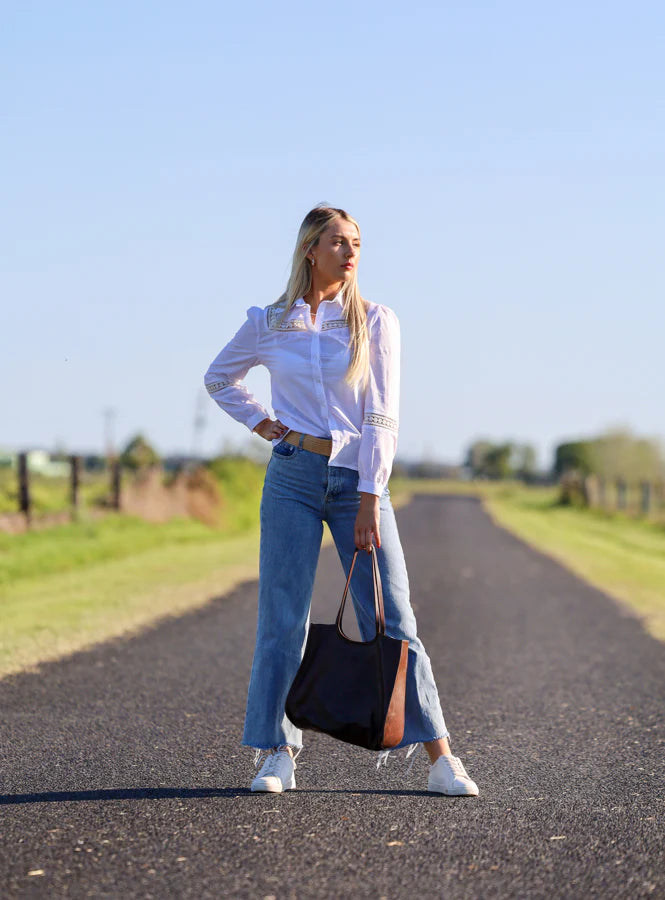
334, 364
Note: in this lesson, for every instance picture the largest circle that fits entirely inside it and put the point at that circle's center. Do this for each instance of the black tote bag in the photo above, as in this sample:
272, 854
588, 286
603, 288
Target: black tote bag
352, 690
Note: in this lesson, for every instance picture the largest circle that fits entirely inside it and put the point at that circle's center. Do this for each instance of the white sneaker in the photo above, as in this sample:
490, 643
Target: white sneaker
448, 776
277, 773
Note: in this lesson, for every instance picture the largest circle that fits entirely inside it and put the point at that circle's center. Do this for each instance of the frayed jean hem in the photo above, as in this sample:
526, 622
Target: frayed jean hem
408, 742
271, 746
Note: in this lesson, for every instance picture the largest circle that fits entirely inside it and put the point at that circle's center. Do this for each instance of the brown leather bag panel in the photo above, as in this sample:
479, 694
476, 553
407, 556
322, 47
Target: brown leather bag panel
393, 730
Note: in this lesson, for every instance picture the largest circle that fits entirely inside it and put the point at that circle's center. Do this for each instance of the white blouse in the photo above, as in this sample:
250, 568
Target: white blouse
307, 362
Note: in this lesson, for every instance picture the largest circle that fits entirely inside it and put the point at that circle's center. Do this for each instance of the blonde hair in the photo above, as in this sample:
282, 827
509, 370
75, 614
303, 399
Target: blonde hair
300, 281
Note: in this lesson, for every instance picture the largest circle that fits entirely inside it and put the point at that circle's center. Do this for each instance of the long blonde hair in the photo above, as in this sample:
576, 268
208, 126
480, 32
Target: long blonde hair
300, 281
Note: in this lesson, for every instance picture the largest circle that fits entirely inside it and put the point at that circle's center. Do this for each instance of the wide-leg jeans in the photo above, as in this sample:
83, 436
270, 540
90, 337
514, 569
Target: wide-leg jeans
300, 492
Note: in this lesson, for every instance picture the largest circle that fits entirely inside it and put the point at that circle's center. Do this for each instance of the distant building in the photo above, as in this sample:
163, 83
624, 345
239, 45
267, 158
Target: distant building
42, 462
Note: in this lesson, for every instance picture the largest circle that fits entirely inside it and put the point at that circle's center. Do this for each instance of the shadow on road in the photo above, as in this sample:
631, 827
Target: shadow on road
179, 793
169, 793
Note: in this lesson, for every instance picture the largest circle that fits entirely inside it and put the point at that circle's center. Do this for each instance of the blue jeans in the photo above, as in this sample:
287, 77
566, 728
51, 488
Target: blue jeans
300, 491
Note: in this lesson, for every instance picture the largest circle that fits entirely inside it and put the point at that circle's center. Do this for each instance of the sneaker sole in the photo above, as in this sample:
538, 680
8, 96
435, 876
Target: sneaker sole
440, 789
265, 788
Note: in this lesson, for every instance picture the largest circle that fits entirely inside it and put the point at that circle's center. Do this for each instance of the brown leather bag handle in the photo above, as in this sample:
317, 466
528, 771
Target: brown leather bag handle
379, 613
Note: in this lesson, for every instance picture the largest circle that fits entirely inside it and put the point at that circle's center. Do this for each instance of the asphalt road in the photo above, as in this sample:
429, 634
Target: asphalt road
122, 775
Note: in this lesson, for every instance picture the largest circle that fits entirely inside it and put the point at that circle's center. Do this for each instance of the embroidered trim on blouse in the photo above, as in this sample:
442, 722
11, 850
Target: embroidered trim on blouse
334, 323
382, 421
218, 385
289, 325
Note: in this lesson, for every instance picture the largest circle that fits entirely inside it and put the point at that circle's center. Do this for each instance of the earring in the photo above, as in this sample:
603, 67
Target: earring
312, 260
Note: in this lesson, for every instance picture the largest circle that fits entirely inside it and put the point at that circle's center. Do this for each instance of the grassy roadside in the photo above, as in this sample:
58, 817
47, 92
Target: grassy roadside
65, 588
47, 617
621, 556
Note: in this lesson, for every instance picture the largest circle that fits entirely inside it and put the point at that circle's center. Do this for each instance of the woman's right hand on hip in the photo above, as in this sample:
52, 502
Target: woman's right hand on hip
270, 429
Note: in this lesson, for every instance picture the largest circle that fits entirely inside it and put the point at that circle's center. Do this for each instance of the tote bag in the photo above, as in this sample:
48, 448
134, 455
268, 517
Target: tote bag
352, 690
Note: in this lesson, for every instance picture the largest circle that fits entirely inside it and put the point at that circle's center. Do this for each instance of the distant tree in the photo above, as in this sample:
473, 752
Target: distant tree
497, 461
574, 456
138, 453
476, 457
618, 453
523, 461
489, 460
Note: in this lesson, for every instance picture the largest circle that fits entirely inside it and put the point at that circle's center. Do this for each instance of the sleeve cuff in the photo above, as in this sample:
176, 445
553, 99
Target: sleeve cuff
370, 487
254, 420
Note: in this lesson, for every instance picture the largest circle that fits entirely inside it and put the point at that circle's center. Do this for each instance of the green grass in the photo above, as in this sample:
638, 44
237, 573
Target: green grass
65, 548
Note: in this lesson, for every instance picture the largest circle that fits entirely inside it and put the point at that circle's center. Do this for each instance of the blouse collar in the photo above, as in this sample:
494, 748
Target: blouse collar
338, 299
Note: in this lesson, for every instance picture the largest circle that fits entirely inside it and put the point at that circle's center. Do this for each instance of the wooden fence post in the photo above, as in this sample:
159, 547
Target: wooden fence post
646, 494
659, 492
601, 493
75, 477
590, 489
115, 484
621, 493
24, 487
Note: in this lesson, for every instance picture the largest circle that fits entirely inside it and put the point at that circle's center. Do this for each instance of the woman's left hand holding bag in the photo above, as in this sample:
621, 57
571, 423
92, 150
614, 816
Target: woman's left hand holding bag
366, 526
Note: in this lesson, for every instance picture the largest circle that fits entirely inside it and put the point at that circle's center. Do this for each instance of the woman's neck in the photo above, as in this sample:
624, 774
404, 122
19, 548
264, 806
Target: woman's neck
316, 295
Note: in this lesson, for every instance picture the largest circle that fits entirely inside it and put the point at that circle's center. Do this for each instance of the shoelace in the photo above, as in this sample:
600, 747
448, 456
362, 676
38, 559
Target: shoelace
270, 760
270, 765
456, 765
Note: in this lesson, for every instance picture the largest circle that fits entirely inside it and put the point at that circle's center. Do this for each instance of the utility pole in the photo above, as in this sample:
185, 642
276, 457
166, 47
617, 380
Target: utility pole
112, 460
199, 423
109, 428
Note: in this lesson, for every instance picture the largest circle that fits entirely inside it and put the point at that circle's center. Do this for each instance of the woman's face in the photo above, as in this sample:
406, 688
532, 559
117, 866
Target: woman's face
337, 253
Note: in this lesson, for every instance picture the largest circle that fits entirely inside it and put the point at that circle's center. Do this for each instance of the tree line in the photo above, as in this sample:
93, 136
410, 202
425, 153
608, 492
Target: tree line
616, 453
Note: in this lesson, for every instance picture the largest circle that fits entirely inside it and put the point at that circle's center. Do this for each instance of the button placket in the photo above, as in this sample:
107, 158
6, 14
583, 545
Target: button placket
316, 368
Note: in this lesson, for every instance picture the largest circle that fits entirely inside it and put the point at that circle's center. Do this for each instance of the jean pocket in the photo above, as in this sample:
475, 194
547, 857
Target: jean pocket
284, 450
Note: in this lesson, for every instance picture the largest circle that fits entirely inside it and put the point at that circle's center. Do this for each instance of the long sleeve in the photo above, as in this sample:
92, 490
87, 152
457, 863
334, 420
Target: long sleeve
378, 440
223, 377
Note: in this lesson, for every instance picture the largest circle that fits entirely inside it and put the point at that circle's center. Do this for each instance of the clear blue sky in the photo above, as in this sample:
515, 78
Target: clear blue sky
505, 161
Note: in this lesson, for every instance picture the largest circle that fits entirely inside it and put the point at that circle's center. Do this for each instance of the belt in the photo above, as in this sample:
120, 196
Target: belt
315, 444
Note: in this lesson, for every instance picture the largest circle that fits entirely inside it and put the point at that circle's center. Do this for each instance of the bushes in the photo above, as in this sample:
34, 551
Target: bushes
240, 482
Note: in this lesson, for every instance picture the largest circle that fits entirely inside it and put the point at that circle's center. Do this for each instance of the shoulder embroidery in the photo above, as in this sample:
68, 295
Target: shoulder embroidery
289, 325
334, 323
382, 421
217, 386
